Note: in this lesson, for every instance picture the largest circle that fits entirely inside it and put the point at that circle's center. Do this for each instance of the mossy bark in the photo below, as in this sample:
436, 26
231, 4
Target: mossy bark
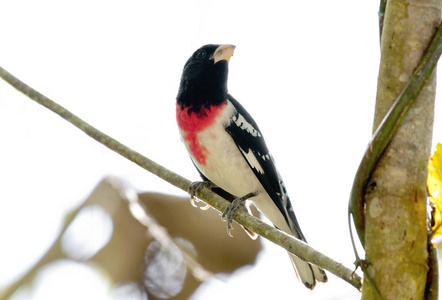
396, 218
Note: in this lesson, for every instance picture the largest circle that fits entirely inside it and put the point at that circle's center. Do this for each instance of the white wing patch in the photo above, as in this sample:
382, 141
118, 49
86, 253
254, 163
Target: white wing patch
244, 125
251, 158
264, 156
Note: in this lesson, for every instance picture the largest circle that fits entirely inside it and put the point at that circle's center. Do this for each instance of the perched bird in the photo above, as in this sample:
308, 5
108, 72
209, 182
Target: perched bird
228, 149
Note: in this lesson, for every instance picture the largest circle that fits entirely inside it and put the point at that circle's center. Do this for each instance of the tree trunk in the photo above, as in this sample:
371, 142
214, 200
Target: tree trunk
396, 216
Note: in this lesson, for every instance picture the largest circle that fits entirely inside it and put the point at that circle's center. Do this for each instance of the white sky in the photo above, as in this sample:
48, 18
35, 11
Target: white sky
305, 70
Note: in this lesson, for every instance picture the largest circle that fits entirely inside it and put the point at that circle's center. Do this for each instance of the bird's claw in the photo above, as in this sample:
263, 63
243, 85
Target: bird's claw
193, 189
228, 213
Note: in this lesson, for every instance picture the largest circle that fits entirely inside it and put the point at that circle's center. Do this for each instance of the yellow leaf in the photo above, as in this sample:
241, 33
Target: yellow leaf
434, 186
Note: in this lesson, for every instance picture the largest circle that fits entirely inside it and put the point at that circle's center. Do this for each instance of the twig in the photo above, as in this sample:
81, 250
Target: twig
289, 243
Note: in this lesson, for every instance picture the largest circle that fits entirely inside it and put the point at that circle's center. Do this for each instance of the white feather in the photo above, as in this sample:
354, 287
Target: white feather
251, 158
244, 125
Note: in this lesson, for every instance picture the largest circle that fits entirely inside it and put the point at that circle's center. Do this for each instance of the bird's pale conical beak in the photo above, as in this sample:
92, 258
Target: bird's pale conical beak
223, 52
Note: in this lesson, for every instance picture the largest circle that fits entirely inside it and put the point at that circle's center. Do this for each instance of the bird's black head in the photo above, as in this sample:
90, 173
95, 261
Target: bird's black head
204, 79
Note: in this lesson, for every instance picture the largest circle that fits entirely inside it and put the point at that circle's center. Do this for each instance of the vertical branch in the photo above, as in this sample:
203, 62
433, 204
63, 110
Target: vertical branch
395, 218
386, 130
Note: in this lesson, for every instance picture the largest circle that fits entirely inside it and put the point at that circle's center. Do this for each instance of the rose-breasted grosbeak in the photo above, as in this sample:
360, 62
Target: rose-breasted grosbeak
227, 147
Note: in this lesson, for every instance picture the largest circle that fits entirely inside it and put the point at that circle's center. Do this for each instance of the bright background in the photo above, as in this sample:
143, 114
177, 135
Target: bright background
305, 70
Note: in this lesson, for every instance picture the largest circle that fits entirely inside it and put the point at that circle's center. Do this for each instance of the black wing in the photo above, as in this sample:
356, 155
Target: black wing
247, 136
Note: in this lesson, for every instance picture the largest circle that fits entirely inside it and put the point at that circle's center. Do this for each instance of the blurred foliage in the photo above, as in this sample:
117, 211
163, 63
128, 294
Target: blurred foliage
434, 185
157, 244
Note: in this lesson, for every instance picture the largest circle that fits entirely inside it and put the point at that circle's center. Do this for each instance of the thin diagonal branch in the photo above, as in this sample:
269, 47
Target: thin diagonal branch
289, 243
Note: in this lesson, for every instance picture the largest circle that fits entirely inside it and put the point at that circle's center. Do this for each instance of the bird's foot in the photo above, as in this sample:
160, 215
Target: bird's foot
193, 189
230, 210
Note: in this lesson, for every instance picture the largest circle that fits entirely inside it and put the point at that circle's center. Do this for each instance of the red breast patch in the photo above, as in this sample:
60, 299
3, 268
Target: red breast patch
193, 122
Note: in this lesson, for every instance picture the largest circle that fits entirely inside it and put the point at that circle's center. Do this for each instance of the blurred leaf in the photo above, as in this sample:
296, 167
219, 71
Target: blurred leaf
217, 251
434, 186
160, 246
201, 235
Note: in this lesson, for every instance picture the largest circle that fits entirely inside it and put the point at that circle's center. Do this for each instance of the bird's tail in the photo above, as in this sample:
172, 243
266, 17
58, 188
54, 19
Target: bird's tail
307, 272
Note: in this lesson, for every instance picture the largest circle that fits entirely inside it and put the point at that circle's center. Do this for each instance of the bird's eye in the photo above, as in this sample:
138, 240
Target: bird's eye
201, 54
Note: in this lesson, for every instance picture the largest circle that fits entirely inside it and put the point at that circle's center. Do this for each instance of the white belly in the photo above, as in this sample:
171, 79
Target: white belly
225, 166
